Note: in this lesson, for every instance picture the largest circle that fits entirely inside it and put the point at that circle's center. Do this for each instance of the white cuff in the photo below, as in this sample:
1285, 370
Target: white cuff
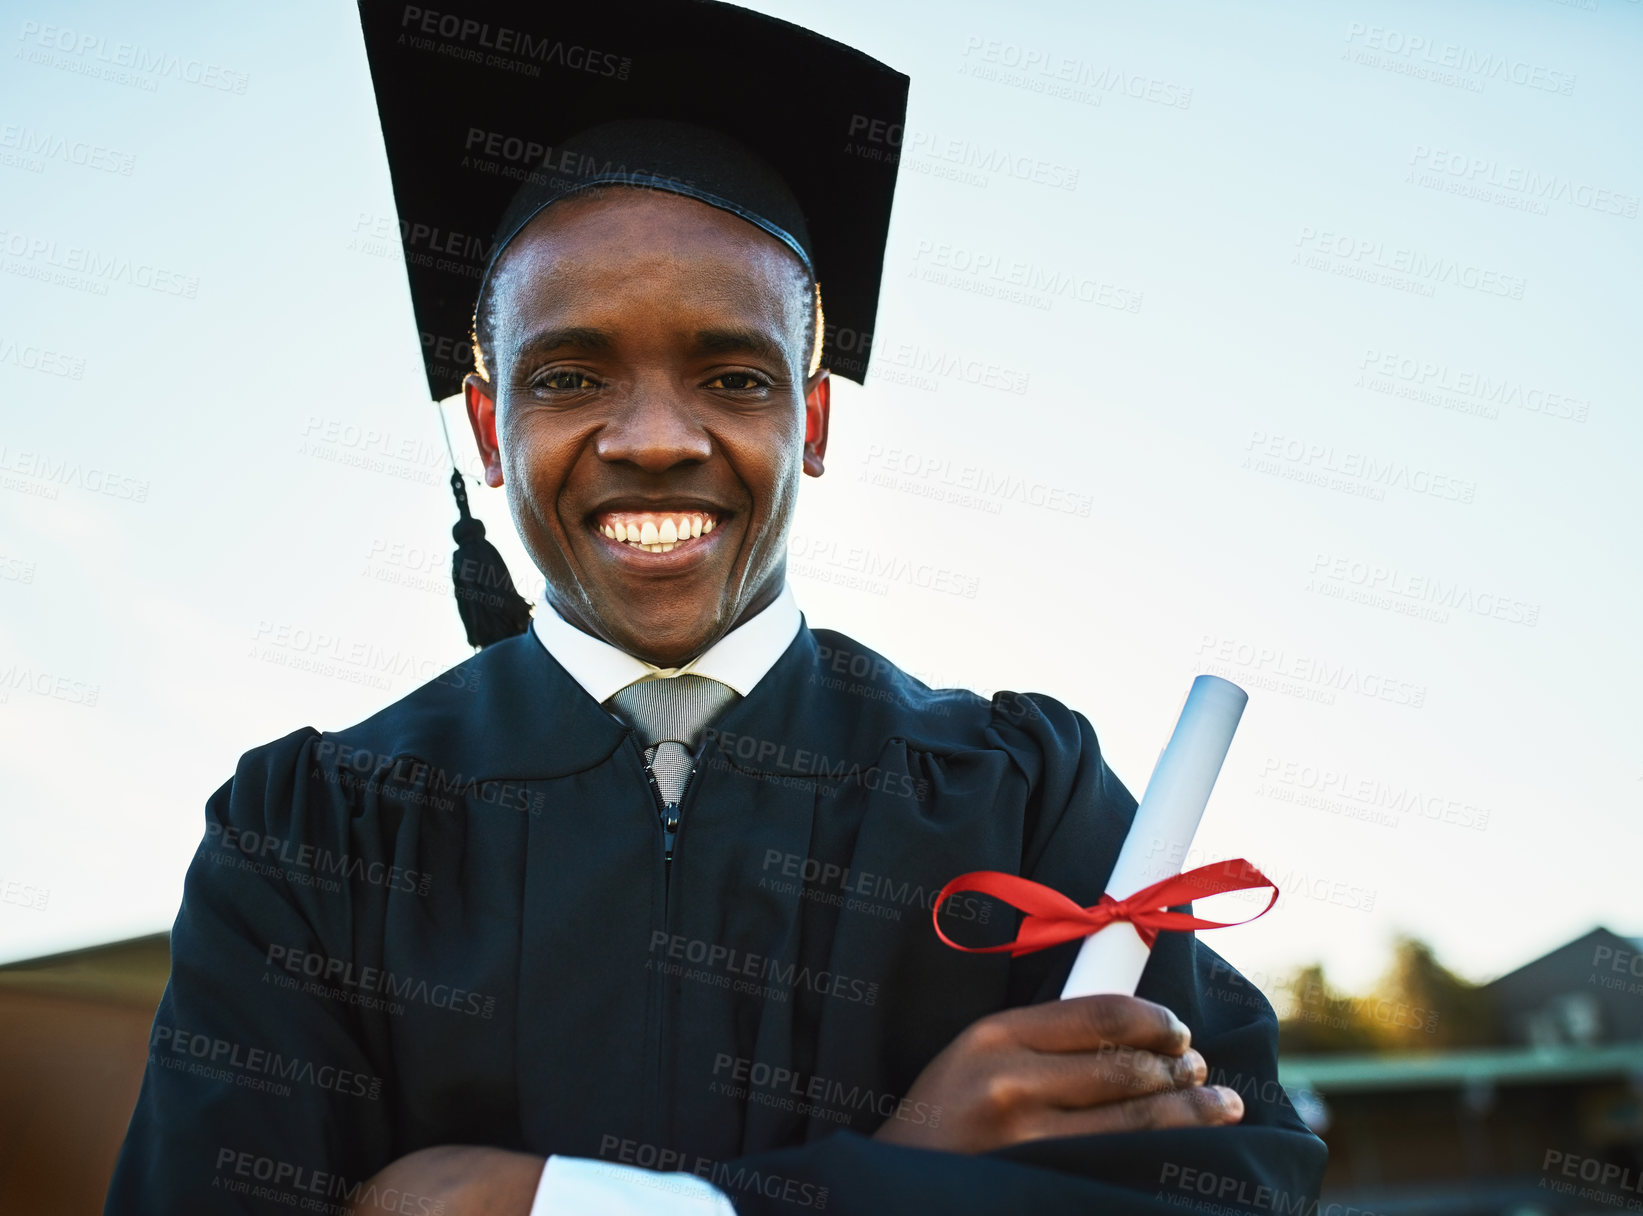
581, 1186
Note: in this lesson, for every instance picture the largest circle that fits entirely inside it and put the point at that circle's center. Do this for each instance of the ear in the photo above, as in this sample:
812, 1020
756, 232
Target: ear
476, 392
817, 397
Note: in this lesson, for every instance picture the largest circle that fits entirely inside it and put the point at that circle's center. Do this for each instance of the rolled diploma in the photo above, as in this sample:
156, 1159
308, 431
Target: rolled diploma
1165, 822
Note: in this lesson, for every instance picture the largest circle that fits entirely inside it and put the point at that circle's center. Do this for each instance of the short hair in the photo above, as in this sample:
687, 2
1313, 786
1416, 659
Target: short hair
484, 309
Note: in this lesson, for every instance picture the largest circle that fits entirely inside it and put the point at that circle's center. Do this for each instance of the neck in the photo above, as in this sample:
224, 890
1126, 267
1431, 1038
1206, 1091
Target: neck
572, 615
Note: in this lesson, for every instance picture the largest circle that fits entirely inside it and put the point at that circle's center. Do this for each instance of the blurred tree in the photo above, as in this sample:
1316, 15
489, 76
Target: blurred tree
1418, 1005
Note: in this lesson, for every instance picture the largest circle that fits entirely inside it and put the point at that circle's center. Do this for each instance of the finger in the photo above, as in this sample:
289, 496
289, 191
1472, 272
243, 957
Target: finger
1195, 1106
1078, 1079
1085, 1023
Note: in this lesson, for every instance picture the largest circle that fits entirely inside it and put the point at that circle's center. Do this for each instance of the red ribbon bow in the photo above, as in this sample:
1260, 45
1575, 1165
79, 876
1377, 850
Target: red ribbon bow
1052, 918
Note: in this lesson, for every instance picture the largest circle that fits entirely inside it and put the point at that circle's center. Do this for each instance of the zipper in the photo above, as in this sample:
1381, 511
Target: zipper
653, 1102
668, 811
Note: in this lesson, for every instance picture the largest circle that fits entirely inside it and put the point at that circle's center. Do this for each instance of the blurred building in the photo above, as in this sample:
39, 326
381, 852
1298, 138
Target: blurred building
1549, 1121
73, 1043
1589, 991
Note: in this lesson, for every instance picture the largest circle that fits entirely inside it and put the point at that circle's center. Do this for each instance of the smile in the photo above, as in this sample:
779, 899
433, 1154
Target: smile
655, 531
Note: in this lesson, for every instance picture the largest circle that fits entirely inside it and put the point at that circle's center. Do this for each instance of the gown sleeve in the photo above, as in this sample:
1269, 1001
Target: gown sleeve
1076, 819
258, 1097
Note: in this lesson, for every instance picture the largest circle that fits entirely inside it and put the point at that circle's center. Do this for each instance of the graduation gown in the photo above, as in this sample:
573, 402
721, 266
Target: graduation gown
454, 923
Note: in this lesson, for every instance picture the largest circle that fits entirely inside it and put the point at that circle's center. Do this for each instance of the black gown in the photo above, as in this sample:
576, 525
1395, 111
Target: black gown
454, 923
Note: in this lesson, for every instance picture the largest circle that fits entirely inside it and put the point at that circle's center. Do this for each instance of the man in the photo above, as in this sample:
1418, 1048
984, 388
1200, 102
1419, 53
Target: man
631, 910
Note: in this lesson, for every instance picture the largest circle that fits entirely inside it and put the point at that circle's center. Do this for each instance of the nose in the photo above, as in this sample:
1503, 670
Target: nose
654, 430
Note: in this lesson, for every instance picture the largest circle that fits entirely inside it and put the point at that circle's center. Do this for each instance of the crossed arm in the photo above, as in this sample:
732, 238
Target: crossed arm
1077, 1067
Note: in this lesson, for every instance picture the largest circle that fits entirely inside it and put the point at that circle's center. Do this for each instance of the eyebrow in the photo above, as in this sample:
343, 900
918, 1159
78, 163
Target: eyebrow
738, 340
582, 338
587, 339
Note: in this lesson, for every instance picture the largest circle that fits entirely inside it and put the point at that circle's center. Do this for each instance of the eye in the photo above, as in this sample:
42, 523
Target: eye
564, 380
738, 382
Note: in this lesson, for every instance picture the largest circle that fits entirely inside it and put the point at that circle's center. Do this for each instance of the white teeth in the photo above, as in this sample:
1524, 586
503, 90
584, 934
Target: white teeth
667, 548
653, 539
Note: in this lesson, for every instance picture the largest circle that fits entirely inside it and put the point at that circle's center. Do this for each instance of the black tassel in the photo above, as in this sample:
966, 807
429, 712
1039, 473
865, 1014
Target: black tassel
490, 608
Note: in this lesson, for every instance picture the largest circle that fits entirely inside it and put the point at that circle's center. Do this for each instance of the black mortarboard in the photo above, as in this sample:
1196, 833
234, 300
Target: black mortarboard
491, 109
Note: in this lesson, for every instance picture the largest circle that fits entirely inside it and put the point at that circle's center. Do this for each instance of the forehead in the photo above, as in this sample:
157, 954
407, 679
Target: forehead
624, 243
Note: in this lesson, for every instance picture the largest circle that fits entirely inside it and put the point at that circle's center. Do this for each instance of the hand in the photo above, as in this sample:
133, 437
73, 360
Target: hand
454, 1180
1064, 1068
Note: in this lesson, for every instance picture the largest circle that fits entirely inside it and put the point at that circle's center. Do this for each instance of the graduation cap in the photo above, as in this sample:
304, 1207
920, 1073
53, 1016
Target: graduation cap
494, 109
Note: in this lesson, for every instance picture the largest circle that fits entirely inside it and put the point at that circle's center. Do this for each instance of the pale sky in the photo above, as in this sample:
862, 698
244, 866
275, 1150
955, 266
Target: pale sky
1313, 374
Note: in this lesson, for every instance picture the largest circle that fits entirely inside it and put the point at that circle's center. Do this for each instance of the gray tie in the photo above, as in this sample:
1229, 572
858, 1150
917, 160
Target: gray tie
670, 716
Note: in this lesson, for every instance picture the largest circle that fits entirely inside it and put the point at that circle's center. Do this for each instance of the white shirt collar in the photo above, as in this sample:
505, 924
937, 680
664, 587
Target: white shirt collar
739, 659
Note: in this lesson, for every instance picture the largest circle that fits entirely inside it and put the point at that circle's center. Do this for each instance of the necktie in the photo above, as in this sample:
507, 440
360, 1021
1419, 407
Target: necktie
670, 716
